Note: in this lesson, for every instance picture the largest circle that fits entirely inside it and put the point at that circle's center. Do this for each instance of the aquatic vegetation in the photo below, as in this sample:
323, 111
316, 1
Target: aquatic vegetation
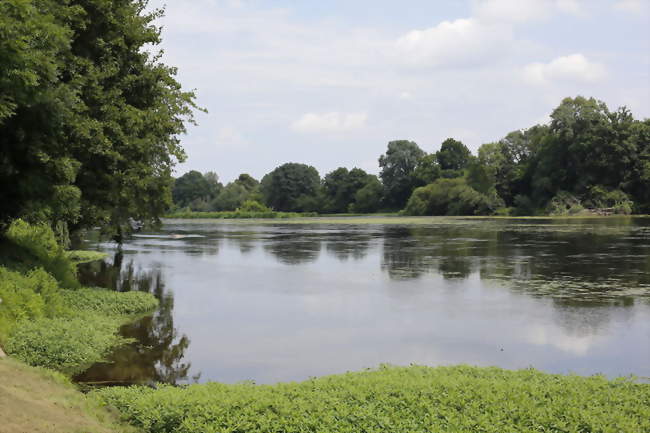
81, 256
395, 399
240, 213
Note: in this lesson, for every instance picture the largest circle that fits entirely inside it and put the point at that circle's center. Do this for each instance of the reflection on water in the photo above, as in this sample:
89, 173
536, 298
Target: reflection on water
273, 301
157, 352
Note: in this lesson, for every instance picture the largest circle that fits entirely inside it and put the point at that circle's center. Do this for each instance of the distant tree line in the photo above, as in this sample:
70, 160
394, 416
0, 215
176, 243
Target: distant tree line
586, 159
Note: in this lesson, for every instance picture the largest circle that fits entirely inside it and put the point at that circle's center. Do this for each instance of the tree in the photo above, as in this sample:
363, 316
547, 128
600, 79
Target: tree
368, 198
93, 118
286, 186
231, 197
247, 181
427, 170
191, 188
453, 156
340, 187
397, 171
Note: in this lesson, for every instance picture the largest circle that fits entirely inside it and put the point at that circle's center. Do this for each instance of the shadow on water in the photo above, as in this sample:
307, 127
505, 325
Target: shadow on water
157, 351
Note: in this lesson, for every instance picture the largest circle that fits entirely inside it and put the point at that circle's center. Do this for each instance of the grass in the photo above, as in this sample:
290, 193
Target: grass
37, 400
395, 399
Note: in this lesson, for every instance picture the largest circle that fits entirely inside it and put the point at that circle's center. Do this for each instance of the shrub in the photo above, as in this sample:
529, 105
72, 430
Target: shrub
40, 241
253, 206
599, 197
564, 203
395, 399
448, 197
27, 297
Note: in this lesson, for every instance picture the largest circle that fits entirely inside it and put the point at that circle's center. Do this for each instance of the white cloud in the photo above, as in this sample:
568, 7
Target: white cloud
329, 122
632, 6
521, 11
574, 67
454, 43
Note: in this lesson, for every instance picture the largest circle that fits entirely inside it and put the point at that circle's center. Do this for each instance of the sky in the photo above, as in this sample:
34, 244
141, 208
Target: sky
330, 83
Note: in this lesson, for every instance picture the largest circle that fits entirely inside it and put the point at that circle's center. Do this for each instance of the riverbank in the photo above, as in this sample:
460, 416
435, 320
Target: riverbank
395, 399
37, 400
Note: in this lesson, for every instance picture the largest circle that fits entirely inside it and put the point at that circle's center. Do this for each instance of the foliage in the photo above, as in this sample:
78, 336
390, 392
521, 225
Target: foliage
230, 198
341, 186
243, 214
615, 200
564, 203
27, 297
286, 186
68, 345
82, 256
192, 188
108, 302
89, 116
427, 170
453, 155
39, 241
395, 399
368, 199
448, 197
81, 332
253, 206
398, 166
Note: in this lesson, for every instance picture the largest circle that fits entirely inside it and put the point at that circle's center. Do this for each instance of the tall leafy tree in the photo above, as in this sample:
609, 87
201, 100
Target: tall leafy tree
95, 121
398, 165
291, 187
453, 156
340, 187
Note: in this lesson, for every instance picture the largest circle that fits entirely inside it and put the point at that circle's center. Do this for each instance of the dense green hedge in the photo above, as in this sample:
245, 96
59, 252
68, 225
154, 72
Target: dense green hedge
395, 399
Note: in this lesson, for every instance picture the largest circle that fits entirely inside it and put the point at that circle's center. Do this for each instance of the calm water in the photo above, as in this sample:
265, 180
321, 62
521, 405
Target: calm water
282, 301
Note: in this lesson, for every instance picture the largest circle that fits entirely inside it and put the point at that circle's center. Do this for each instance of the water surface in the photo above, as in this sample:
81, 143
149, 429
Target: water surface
273, 301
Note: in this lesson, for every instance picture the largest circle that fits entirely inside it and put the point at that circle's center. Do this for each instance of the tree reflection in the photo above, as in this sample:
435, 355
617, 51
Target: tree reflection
294, 249
348, 245
157, 352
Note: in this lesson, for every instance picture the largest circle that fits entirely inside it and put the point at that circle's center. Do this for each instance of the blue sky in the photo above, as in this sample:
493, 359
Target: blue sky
329, 83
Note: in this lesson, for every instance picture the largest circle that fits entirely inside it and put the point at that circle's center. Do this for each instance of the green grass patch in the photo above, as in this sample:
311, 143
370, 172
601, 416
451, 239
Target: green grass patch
239, 215
81, 256
395, 399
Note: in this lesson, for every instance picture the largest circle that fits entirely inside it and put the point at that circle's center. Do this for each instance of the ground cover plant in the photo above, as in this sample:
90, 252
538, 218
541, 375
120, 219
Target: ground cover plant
395, 399
45, 319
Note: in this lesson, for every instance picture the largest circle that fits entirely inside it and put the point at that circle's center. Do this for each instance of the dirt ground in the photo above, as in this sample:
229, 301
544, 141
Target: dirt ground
38, 401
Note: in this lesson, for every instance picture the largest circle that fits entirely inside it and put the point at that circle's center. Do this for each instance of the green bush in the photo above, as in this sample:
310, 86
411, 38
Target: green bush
27, 297
616, 200
253, 206
448, 197
68, 345
564, 203
40, 241
395, 399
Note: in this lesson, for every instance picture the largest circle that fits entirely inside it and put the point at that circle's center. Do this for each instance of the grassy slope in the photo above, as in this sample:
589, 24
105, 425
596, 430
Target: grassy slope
395, 399
35, 400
